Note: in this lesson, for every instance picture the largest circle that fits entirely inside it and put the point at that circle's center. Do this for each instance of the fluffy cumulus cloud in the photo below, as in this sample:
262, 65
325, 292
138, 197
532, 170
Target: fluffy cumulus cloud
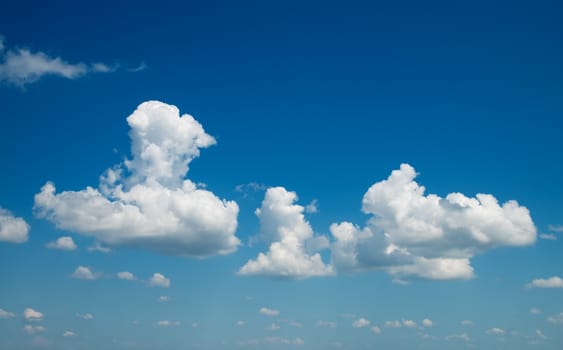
556, 319
146, 201
22, 66
423, 235
6, 314
32, 315
427, 322
12, 229
552, 282
269, 312
126, 275
361, 323
84, 273
62, 243
30, 329
393, 324
376, 330
283, 225
159, 280
409, 323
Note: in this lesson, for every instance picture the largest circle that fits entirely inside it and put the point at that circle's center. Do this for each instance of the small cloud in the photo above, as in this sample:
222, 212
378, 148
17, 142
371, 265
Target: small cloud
548, 236
250, 187
535, 311
409, 323
556, 319
62, 243
466, 323
84, 273
29, 329
392, 324
32, 315
361, 323
86, 316
167, 323
141, 67
240, 323
12, 229
540, 334
4, 313
555, 228
163, 299
103, 68
195, 324
97, 247
126, 275
159, 280
69, 334
313, 207
454, 337
376, 330
552, 282
269, 312
327, 324
273, 327
427, 322
495, 331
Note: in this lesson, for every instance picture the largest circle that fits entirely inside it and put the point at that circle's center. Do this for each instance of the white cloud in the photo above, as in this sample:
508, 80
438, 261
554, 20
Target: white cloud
556, 319
312, 207
466, 323
556, 228
12, 229
146, 201
159, 280
126, 275
269, 312
552, 282
361, 323
426, 236
427, 322
86, 316
462, 337
495, 331
97, 247
62, 243
84, 273
141, 67
22, 66
195, 324
273, 327
409, 323
69, 334
163, 299
4, 313
272, 341
29, 329
240, 323
327, 324
540, 334
168, 323
392, 324
548, 236
283, 225
250, 187
535, 311
376, 330
32, 315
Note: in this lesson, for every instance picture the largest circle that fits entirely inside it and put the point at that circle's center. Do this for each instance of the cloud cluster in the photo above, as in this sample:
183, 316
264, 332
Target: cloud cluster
12, 229
146, 201
427, 236
22, 66
30, 314
361, 323
283, 225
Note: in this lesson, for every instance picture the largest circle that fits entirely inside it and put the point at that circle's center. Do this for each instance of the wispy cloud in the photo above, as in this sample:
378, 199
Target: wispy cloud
22, 66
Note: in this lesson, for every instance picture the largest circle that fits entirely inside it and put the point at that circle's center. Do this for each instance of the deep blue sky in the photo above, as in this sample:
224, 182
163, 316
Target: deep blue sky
322, 98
